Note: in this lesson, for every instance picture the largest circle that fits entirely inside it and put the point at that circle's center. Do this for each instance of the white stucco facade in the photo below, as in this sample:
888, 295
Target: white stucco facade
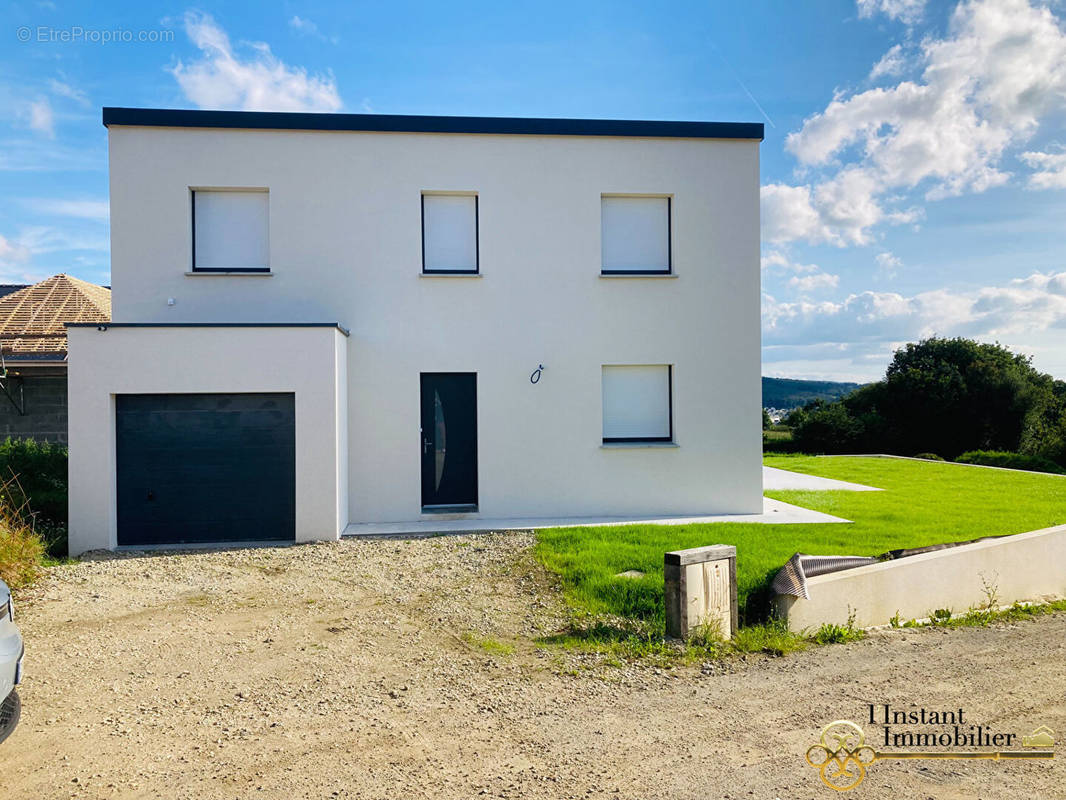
345, 247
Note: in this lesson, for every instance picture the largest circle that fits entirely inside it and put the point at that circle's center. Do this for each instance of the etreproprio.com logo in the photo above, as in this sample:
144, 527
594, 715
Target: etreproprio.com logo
76, 34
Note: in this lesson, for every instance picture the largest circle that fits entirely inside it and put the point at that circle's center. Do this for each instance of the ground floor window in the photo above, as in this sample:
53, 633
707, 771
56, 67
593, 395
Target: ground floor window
637, 403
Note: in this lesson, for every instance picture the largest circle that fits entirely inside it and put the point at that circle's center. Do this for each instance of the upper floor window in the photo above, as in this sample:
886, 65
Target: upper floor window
230, 230
449, 233
635, 235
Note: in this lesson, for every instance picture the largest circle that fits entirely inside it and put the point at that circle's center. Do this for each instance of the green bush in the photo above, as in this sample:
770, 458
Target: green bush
780, 446
998, 458
34, 478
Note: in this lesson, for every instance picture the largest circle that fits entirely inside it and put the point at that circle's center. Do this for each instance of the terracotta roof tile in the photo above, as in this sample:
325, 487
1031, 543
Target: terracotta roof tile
31, 319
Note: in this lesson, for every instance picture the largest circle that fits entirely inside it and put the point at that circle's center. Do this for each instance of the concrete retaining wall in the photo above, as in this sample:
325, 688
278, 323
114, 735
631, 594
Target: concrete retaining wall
1027, 566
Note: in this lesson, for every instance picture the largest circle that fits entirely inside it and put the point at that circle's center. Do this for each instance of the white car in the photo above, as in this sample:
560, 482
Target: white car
11, 651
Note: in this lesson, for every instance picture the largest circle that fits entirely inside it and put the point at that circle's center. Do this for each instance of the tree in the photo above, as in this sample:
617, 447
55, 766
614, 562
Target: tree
767, 423
951, 395
829, 428
944, 396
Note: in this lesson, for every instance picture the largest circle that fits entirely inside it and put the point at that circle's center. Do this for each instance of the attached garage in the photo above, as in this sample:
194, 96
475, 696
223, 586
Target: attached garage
205, 468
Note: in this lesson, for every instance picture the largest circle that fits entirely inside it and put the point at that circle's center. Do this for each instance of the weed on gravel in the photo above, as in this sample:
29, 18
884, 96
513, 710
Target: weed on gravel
982, 617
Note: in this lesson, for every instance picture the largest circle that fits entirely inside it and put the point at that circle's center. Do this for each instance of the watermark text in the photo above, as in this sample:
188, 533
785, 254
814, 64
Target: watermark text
76, 34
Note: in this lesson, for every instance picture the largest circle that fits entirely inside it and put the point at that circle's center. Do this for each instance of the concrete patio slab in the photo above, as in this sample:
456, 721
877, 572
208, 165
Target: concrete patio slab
774, 512
782, 479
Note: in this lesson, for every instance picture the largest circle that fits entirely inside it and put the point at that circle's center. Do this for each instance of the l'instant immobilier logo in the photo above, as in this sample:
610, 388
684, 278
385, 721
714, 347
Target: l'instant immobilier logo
843, 753
922, 727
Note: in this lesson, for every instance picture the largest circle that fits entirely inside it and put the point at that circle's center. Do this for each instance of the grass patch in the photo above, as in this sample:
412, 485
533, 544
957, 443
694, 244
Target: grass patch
490, 645
777, 434
23, 551
770, 637
922, 503
621, 641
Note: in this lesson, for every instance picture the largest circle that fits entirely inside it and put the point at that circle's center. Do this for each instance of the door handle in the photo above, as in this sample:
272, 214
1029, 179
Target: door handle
426, 444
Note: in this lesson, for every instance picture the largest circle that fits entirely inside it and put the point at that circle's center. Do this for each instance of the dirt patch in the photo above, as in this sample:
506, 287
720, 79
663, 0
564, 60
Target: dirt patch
409, 668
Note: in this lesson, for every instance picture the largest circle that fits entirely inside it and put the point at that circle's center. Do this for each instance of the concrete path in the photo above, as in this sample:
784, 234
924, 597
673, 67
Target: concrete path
774, 512
782, 479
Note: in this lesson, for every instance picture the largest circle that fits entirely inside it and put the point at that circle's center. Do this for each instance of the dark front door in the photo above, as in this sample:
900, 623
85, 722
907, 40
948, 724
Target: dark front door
449, 440
205, 468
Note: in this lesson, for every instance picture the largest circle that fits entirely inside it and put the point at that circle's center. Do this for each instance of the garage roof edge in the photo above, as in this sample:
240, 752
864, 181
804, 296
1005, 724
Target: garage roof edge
106, 325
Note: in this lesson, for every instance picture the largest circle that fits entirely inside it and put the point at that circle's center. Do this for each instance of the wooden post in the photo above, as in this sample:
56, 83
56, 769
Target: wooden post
701, 589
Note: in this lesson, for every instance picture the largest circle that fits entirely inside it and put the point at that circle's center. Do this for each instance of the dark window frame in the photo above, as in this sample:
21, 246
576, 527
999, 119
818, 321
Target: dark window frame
670, 411
477, 234
194, 267
669, 238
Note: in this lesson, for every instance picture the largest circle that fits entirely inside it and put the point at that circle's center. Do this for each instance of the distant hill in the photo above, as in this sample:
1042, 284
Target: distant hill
789, 393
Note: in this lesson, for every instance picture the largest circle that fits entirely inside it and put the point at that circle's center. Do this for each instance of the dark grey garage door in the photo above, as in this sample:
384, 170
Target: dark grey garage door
205, 468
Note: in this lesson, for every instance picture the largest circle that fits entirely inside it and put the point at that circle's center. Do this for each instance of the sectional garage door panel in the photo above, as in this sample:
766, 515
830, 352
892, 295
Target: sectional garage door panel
205, 468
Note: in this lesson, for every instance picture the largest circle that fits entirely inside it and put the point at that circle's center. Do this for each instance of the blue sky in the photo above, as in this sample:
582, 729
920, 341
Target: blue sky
913, 172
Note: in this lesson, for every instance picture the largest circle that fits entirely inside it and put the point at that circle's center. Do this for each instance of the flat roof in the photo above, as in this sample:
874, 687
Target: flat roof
396, 123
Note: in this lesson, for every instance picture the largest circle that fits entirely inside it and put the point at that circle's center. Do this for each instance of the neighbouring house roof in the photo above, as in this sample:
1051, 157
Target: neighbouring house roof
397, 123
8, 288
32, 318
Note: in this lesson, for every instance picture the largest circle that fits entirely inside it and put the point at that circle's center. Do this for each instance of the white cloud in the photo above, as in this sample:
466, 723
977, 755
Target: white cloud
888, 264
221, 79
14, 263
814, 282
1050, 170
906, 11
81, 209
62, 89
788, 214
805, 278
840, 210
891, 63
42, 239
303, 25
41, 118
984, 88
778, 261
774, 258
1022, 308
10, 252
307, 27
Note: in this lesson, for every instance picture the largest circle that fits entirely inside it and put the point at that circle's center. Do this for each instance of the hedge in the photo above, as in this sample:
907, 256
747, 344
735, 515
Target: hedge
999, 458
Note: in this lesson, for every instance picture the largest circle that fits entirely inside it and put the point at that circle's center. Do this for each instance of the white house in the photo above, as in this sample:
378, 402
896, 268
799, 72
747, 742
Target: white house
321, 321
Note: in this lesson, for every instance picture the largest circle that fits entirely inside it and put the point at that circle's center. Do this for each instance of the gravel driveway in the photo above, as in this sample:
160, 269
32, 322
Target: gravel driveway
360, 669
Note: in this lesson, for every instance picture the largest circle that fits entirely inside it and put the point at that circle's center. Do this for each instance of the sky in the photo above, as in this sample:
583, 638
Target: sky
913, 172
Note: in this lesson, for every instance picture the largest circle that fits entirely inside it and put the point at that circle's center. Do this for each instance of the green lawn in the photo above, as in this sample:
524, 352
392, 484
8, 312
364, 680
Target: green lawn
778, 434
923, 503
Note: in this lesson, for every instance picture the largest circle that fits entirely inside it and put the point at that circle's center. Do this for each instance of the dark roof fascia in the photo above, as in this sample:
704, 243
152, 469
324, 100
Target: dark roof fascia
397, 123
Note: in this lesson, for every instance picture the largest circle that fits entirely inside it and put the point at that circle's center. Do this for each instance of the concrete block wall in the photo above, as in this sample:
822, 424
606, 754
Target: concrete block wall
45, 402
